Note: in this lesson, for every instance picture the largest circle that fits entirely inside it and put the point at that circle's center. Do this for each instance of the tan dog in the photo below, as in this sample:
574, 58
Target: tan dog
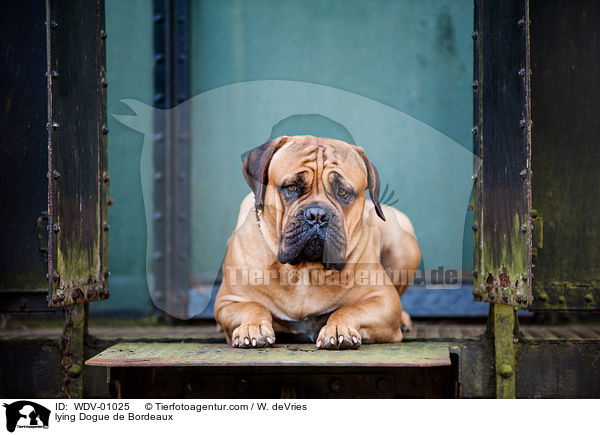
310, 254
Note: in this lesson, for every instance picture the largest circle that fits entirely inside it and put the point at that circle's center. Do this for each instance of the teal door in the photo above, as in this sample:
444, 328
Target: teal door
391, 76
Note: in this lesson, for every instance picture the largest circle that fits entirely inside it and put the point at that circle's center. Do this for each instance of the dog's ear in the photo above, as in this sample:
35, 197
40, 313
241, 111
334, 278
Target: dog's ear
256, 168
373, 178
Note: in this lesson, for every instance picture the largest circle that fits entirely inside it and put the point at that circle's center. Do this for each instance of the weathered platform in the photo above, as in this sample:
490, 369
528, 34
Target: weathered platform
408, 354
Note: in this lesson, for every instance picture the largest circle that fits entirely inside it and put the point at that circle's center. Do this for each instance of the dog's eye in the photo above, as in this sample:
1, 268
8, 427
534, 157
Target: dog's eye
342, 193
290, 191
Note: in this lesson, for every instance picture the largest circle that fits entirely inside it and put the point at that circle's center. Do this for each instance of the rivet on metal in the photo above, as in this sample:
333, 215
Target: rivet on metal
159, 58
103, 35
475, 130
158, 255
158, 137
523, 123
523, 228
104, 83
106, 227
505, 370
522, 72
561, 299
55, 74
475, 84
523, 277
475, 35
474, 177
106, 177
56, 175
111, 201
158, 216
159, 98
523, 173
104, 129
336, 385
474, 226
521, 23
106, 273
55, 125
159, 18
158, 176
53, 25
589, 298
543, 297
55, 228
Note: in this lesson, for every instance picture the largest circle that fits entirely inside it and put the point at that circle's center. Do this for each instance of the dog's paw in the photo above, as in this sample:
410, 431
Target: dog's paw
253, 335
338, 337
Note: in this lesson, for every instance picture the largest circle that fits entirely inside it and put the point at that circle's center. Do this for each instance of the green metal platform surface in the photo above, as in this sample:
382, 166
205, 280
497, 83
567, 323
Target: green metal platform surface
409, 354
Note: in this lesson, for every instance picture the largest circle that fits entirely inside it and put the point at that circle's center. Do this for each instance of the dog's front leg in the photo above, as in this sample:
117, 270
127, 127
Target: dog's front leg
374, 319
246, 324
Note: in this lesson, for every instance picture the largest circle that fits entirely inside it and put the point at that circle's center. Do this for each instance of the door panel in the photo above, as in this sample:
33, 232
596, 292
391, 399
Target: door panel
501, 132
565, 56
77, 153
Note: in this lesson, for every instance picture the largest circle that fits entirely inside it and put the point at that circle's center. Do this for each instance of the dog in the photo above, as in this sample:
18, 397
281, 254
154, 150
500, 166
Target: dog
310, 255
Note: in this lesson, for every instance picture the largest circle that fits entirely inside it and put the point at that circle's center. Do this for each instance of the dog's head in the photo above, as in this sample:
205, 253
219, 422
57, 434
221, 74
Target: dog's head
311, 194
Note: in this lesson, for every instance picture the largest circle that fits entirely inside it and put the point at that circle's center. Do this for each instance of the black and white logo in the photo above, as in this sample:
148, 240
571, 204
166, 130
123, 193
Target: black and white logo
26, 414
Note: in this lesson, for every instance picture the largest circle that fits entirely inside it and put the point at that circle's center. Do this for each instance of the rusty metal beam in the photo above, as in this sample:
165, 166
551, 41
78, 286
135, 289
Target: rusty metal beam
503, 324
502, 141
77, 152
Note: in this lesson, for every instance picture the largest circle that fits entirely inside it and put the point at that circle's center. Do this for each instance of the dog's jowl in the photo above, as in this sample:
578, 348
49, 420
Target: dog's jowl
310, 255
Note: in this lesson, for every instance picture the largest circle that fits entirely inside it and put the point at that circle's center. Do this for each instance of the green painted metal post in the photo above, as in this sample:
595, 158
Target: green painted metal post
72, 346
503, 323
79, 316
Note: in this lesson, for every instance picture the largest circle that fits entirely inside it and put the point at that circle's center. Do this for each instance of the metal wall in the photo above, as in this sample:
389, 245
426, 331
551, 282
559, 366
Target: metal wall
129, 64
565, 56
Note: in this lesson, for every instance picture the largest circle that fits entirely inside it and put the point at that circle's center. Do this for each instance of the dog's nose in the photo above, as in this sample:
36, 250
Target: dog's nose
316, 215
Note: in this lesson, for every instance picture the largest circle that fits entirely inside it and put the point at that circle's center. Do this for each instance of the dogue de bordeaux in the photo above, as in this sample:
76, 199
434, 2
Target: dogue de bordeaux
310, 255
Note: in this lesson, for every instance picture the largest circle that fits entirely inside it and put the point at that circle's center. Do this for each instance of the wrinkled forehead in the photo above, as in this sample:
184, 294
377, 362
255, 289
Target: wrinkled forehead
309, 152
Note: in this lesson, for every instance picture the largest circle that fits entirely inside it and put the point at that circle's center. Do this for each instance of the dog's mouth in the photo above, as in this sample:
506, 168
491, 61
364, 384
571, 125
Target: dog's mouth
303, 242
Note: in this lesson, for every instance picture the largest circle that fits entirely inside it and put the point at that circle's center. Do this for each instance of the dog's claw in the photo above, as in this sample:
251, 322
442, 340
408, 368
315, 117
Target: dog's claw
254, 335
338, 337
